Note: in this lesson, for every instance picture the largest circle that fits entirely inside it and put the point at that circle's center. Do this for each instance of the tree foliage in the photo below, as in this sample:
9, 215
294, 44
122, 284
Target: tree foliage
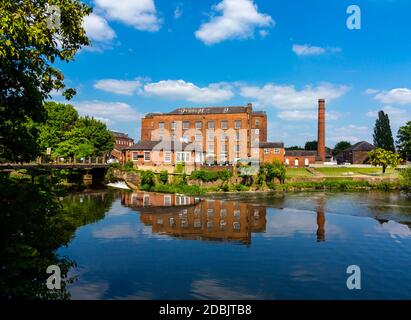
311, 145
270, 171
404, 141
30, 46
384, 158
341, 146
382, 132
69, 135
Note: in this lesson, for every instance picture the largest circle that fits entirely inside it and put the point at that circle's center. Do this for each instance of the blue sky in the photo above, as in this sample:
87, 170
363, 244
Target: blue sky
156, 55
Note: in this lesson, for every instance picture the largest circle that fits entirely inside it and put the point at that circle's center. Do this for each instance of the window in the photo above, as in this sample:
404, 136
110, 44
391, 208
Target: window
266, 150
238, 124
224, 124
296, 162
199, 125
287, 161
147, 155
224, 148
167, 156
211, 135
211, 124
146, 200
237, 148
173, 125
257, 131
224, 137
257, 123
186, 125
161, 125
173, 137
237, 136
199, 137
135, 156
183, 156
167, 200
276, 151
210, 147
152, 124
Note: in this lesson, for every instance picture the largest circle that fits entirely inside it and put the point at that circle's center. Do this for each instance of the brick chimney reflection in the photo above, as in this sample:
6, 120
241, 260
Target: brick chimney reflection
321, 130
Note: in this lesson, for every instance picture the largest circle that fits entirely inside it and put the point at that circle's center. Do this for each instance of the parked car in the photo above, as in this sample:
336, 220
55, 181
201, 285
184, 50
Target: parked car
112, 160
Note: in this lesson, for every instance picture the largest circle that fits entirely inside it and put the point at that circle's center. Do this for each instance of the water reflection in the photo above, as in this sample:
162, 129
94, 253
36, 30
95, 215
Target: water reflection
190, 218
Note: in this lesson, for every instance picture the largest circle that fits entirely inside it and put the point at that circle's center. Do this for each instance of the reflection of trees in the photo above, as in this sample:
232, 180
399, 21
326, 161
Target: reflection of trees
33, 225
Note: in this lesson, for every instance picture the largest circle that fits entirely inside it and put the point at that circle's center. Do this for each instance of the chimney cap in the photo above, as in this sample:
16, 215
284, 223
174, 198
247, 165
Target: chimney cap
321, 100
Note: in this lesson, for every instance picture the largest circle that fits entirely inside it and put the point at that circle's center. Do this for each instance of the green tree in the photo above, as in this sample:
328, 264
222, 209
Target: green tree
30, 47
382, 132
311, 145
294, 148
404, 141
341, 146
60, 119
384, 158
95, 132
163, 176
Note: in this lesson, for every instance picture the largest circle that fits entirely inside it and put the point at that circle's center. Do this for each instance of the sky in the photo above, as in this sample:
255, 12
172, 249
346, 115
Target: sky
282, 56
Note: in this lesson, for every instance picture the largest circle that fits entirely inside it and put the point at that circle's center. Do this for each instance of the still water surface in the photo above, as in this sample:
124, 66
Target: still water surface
242, 246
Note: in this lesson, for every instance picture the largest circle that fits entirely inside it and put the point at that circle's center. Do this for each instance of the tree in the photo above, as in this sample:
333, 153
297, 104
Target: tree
311, 145
60, 119
293, 148
30, 46
382, 132
404, 141
341, 146
384, 158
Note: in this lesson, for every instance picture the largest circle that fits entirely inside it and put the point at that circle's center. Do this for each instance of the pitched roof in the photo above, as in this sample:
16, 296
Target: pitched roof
209, 110
300, 153
271, 144
361, 146
120, 135
160, 145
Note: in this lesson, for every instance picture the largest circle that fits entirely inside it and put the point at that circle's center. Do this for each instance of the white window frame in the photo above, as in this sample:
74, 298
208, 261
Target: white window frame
149, 156
236, 122
182, 156
168, 202
167, 156
266, 151
225, 126
209, 123
186, 125
277, 151
198, 125
134, 153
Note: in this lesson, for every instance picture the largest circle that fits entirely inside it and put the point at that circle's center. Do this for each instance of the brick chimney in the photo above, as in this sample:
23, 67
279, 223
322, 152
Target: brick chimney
321, 130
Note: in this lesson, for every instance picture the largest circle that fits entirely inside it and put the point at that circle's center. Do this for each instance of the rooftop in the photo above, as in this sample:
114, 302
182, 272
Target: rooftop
208, 110
361, 146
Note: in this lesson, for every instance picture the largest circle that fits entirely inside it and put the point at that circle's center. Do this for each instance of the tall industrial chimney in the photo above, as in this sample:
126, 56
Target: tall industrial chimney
321, 130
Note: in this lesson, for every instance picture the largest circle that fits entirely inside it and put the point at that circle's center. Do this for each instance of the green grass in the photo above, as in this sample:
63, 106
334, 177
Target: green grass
330, 171
298, 172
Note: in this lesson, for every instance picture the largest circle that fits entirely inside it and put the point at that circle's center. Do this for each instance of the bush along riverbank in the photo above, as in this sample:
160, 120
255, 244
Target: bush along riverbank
270, 177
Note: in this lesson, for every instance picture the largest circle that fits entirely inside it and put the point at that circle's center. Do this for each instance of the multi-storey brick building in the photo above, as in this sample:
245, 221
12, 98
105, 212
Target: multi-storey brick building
217, 135
121, 141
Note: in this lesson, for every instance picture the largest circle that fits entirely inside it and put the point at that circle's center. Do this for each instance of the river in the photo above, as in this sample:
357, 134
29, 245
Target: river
242, 246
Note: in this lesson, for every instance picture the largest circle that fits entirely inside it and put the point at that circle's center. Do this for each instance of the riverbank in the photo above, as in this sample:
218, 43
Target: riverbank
193, 187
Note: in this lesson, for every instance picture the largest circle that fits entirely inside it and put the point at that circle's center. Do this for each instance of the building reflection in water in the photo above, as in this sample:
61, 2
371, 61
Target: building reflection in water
190, 218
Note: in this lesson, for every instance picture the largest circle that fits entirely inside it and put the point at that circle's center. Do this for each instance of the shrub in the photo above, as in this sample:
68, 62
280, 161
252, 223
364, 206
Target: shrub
179, 168
225, 175
406, 177
240, 187
204, 175
128, 166
163, 176
147, 178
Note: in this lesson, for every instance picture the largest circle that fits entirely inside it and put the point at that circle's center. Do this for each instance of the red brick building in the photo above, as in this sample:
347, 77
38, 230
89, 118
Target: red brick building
121, 141
209, 135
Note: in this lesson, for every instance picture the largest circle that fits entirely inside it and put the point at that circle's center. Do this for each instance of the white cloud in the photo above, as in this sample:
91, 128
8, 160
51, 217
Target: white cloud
110, 112
351, 132
370, 91
287, 96
178, 11
140, 14
237, 20
397, 116
97, 28
181, 90
119, 86
309, 50
296, 115
395, 96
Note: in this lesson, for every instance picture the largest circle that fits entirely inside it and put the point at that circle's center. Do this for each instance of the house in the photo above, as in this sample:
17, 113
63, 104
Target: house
121, 141
356, 154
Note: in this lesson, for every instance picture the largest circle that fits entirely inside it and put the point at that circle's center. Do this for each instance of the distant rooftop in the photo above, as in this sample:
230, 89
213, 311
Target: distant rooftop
120, 134
271, 144
207, 110
361, 146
